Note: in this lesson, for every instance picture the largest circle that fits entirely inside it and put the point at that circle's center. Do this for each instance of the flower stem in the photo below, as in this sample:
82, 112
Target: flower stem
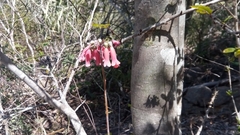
105, 98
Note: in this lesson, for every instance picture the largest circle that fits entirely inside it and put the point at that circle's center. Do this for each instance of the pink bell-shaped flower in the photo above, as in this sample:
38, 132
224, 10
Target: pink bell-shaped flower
106, 59
81, 57
116, 43
100, 52
88, 57
96, 56
115, 62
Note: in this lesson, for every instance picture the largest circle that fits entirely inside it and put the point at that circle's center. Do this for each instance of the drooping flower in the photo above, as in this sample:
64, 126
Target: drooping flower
106, 57
88, 57
116, 43
100, 52
81, 57
96, 55
115, 62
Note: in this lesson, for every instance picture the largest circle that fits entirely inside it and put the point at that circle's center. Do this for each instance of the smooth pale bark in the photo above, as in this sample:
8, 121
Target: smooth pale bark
62, 105
157, 69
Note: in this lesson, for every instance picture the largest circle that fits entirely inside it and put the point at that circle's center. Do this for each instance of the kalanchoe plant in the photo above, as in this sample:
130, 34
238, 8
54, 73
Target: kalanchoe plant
102, 52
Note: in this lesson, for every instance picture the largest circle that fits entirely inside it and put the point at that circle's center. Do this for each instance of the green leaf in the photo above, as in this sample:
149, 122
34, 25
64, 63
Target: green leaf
105, 26
229, 93
18, 46
41, 53
71, 57
237, 53
201, 9
45, 43
227, 19
229, 50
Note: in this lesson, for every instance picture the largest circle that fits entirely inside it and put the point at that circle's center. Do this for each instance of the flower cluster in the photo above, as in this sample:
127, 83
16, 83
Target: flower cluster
101, 52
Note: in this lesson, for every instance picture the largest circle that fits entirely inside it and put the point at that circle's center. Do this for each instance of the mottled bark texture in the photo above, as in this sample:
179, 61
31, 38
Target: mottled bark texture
157, 69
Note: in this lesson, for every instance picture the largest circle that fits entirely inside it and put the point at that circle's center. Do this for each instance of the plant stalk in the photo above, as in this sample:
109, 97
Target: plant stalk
105, 99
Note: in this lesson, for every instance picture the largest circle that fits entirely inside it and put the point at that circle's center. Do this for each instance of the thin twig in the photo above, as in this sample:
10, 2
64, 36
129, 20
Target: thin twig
90, 117
76, 8
86, 28
228, 11
209, 84
214, 62
207, 111
230, 86
165, 21
105, 98
26, 36
191, 125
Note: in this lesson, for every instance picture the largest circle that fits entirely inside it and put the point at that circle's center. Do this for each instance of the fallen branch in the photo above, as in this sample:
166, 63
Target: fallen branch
61, 105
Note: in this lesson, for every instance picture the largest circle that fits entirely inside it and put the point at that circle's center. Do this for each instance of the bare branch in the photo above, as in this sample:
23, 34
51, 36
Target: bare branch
165, 21
86, 29
61, 105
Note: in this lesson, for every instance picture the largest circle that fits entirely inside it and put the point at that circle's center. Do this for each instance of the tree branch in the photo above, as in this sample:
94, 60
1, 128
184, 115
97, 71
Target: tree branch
86, 29
165, 21
61, 105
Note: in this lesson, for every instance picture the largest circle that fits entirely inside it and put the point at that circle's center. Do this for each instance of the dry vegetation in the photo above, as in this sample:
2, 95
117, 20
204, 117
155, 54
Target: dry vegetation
43, 38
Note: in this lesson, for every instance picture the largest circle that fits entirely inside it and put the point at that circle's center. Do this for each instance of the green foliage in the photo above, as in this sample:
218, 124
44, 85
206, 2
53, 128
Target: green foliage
18, 125
228, 18
105, 26
229, 50
197, 27
235, 51
229, 92
201, 9
201, 32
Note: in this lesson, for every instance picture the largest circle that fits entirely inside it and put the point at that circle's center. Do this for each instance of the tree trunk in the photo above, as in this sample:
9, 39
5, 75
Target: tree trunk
157, 68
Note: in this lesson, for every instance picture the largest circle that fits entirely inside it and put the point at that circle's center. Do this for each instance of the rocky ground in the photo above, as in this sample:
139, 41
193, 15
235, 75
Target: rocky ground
220, 119
210, 78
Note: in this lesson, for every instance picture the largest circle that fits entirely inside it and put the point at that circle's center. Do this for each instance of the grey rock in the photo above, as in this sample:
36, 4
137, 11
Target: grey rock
200, 95
222, 96
196, 99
